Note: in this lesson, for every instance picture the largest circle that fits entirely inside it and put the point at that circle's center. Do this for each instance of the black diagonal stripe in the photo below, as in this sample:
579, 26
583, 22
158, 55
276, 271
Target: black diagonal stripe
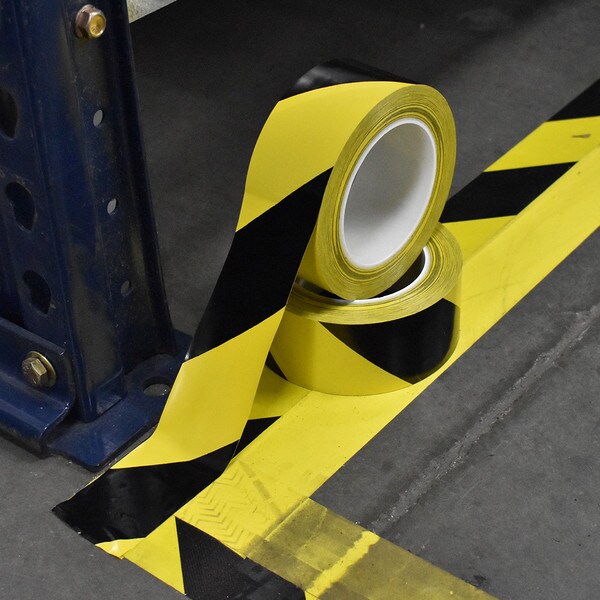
336, 72
130, 503
501, 193
254, 427
212, 572
410, 348
587, 104
260, 268
272, 364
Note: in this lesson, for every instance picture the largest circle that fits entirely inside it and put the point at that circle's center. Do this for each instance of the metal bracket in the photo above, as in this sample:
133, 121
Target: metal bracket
80, 278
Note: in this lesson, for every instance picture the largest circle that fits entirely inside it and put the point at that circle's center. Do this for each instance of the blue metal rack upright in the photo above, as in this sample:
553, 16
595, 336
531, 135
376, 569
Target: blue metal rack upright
87, 350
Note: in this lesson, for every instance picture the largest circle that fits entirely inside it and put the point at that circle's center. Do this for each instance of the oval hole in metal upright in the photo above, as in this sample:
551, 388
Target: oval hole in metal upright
9, 114
22, 204
41, 294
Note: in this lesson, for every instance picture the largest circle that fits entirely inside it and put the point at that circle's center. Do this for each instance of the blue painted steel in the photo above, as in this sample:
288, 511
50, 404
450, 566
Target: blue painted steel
80, 276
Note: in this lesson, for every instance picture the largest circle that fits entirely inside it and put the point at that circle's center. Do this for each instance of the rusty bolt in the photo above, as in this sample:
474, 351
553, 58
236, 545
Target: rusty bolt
38, 371
90, 22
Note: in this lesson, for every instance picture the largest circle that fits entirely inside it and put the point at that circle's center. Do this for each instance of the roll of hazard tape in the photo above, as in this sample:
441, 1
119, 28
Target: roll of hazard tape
344, 189
392, 149
363, 347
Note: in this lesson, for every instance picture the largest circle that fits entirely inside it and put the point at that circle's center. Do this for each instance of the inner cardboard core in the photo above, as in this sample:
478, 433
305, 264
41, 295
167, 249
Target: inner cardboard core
388, 193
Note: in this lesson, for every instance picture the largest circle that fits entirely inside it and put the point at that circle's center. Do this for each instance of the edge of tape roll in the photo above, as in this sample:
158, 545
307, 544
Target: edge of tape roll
402, 153
377, 345
437, 279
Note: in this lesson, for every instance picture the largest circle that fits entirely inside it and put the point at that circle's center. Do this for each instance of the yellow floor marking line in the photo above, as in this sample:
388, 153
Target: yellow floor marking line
553, 142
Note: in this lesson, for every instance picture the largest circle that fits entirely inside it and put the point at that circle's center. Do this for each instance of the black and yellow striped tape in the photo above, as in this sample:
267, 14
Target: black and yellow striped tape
380, 344
310, 552
483, 207
324, 151
505, 258
267, 486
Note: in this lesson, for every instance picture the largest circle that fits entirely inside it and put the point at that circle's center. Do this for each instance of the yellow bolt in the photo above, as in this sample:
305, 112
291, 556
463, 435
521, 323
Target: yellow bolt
90, 22
38, 371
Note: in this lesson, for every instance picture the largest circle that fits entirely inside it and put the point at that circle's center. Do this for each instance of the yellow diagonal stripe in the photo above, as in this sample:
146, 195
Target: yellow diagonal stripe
274, 174
210, 402
159, 555
552, 143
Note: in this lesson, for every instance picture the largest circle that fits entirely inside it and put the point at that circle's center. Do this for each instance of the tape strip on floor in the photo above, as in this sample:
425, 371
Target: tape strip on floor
316, 437
179, 474
318, 553
504, 189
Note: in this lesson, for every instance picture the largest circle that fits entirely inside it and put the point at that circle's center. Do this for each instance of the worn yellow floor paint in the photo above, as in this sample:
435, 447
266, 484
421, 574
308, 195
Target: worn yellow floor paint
313, 548
330, 558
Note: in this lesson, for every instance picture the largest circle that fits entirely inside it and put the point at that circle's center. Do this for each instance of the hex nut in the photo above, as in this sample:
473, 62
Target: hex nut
90, 22
38, 371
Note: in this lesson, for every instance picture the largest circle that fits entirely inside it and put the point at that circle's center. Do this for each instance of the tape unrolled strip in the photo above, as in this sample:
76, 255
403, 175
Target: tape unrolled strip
378, 345
320, 152
392, 147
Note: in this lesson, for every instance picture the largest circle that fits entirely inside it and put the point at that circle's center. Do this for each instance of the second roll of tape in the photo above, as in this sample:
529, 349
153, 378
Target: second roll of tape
379, 345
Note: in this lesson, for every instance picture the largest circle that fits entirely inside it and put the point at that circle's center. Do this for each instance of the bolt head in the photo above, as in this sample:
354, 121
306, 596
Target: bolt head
37, 371
90, 22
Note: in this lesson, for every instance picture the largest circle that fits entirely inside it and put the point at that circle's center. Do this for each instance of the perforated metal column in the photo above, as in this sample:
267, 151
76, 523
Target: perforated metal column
80, 279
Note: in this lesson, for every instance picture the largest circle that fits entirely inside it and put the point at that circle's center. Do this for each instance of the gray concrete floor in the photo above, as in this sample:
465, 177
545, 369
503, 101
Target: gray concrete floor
503, 492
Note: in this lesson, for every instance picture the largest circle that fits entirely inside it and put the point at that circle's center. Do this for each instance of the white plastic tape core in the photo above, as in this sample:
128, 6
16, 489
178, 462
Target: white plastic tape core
387, 193
396, 293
